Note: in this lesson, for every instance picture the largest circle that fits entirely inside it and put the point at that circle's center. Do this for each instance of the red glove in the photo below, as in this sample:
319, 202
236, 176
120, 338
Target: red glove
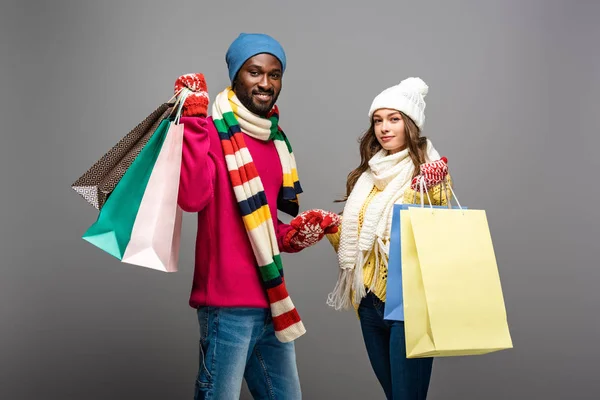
432, 172
196, 104
310, 227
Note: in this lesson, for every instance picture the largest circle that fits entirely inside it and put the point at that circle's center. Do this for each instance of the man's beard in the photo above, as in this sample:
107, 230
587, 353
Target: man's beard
260, 109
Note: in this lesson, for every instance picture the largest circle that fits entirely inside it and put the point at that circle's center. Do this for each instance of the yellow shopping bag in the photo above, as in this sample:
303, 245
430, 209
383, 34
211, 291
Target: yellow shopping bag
453, 302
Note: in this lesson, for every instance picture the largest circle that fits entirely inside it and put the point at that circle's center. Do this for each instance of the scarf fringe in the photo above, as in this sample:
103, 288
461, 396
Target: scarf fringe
381, 257
339, 298
358, 285
350, 286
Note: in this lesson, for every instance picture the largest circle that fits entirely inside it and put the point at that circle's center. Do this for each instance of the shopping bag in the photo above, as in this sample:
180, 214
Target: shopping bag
453, 301
394, 303
112, 230
98, 182
155, 236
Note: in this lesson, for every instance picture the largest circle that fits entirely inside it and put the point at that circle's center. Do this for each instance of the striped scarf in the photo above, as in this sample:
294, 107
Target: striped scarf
231, 118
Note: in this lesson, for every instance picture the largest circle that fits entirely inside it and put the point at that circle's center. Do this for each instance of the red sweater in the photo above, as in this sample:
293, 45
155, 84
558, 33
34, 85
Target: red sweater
226, 273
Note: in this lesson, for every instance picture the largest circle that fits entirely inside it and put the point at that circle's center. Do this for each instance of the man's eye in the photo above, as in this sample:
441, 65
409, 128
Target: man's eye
275, 76
253, 73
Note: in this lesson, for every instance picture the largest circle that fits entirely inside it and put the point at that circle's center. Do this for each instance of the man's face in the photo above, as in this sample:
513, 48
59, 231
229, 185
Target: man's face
258, 83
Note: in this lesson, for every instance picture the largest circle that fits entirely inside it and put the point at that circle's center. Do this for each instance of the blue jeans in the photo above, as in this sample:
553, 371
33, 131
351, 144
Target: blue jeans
240, 343
400, 377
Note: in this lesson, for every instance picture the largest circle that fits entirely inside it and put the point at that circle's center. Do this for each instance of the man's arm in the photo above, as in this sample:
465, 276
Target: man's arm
196, 184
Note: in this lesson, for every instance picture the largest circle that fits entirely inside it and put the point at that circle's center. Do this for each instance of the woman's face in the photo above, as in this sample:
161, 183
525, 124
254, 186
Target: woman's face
389, 129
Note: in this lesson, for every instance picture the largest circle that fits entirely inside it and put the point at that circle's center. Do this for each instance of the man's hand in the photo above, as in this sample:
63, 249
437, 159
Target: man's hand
310, 227
196, 103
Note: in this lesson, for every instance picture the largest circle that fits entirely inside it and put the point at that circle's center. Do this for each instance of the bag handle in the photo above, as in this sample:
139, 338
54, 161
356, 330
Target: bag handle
445, 187
174, 96
181, 96
185, 92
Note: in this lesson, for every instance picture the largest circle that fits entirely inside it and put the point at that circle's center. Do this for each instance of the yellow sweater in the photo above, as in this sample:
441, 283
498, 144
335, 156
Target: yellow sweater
438, 197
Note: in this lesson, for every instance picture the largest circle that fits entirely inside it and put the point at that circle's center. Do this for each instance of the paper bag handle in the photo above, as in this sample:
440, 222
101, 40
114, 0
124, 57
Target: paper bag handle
422, 186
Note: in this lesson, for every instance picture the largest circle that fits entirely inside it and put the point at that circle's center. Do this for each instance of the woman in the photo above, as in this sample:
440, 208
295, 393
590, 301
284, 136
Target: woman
395, 160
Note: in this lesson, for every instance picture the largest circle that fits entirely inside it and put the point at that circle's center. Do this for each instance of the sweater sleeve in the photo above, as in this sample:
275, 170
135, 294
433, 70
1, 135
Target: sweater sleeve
196, 184
284, 234
334, 238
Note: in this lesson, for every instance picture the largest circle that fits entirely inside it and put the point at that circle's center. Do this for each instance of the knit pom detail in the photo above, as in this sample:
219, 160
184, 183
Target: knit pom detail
416, 85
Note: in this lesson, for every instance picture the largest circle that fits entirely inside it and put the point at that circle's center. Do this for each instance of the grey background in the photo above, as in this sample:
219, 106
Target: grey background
513, 103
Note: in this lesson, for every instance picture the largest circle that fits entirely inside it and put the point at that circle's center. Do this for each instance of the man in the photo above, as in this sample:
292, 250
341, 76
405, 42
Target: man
238, 169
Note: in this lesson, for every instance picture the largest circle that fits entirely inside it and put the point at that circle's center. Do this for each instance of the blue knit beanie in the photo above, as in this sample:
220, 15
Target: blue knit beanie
248, 45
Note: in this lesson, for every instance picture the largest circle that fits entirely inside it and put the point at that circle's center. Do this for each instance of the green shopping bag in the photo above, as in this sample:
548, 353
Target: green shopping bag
112, 230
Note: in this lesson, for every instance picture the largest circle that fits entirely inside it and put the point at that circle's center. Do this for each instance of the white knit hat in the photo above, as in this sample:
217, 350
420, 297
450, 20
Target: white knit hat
407, 96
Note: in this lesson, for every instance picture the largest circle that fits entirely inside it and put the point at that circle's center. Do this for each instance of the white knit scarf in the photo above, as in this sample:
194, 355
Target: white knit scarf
391, 174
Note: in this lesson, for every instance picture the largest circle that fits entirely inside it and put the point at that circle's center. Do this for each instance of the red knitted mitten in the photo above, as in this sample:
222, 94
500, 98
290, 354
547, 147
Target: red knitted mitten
432, 173
196, 104
310, 227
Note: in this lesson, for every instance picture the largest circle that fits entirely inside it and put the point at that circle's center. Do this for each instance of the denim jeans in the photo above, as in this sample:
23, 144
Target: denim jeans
240, 343
400, 377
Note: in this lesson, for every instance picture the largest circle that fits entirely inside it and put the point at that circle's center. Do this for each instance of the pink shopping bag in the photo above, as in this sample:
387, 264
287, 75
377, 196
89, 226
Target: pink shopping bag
156, 233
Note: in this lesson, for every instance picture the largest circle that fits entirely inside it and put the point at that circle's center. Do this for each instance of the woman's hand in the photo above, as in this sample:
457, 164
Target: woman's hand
432, 173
